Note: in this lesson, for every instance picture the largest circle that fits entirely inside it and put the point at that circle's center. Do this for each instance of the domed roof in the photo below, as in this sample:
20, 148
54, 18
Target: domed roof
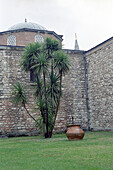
28, 25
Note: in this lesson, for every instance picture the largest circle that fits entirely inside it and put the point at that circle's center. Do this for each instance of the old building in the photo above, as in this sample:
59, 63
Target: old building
23, 33
88, 87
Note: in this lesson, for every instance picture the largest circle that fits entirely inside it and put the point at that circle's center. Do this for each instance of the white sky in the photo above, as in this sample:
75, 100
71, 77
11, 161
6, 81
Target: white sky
90, 19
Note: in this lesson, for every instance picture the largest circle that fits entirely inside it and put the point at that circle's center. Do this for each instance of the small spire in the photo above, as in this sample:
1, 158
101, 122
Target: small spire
75, 36
25, 20
76, 43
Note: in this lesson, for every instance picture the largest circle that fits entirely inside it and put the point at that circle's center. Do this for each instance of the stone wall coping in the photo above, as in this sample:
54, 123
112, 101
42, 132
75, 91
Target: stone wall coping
9, 47
99, 46
68, 51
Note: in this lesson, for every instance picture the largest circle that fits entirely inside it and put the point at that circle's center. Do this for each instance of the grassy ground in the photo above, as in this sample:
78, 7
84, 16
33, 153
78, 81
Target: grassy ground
94, 152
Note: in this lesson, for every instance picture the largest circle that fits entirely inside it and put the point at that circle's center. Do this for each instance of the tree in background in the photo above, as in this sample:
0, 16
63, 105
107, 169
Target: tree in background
49, 64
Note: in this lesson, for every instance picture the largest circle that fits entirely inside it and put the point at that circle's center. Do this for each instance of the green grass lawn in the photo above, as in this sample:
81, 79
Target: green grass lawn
94, 152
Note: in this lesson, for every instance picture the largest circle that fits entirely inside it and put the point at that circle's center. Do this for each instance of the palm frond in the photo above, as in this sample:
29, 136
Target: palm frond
18, 94
61, 62
29, 56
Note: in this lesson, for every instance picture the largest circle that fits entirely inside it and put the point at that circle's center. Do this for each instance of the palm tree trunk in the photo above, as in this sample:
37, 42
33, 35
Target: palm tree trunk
47, 134
28, 112
58, 98
51, 83
38, 86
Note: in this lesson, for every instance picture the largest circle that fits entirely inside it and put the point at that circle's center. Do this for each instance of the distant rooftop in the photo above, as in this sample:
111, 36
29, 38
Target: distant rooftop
28, 25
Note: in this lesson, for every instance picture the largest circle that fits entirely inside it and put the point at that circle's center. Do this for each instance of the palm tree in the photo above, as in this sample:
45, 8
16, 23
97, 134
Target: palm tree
51, 45
19, 97
29, 58
41, 66
62, 65
35, 59
49, 64
30, 51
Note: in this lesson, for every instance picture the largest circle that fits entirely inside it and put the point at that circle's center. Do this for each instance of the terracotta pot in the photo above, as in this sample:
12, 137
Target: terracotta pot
74, 132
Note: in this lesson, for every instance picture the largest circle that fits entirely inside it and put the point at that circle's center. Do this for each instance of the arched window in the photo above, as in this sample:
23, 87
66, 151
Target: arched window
11, 40
39, 38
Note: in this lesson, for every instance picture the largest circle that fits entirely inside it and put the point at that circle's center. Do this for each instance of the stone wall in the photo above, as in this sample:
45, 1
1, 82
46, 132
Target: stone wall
74, 91
15, 120
87, 91
100, 86
73, 103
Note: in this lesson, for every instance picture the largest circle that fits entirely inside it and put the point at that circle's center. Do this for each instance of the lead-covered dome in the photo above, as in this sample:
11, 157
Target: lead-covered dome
27, 25
24, 33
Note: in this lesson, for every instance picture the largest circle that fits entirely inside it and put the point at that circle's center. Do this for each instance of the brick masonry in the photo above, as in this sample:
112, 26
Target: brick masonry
24, 37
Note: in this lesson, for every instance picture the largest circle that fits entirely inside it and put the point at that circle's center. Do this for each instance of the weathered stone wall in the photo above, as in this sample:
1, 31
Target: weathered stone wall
74, 91
100, 86
15, 120
73, 103
87, 91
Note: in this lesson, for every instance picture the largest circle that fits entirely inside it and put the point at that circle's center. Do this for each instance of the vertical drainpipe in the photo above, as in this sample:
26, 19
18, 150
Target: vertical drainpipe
86, 89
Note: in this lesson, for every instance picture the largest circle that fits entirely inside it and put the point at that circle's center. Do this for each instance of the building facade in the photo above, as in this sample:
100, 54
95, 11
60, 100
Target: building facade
88, 87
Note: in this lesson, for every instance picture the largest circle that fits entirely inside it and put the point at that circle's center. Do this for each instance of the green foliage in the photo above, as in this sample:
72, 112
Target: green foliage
40, 86
54, 88
40, 64
30, 55
41, 125
18, 94
51, 45
49, 64
19, 97
61, 62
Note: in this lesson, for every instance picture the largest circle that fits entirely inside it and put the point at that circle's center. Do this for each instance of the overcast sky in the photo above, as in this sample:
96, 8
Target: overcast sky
92, 20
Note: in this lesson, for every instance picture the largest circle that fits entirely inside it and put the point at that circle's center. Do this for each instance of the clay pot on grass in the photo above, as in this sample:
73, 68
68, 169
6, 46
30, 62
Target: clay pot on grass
74, 132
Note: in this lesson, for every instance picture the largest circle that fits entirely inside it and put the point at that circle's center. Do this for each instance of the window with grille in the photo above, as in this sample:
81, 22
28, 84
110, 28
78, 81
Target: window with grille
11, 40
32, 76
39, 38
